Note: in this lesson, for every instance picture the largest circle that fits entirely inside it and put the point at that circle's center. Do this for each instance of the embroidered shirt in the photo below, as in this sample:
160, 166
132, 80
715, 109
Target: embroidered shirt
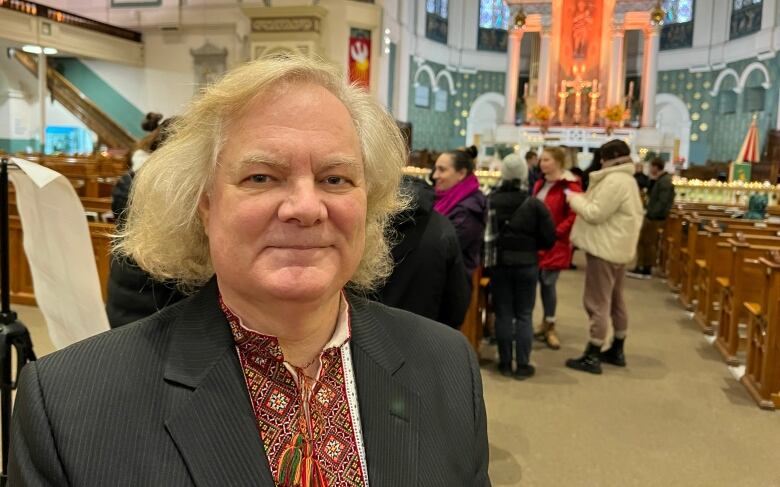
333, 417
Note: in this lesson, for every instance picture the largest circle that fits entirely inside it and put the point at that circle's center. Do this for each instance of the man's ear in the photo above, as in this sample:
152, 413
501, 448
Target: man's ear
204, 207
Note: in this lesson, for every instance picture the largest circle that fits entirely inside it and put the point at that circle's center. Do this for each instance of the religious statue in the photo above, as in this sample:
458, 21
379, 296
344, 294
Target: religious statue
581, 22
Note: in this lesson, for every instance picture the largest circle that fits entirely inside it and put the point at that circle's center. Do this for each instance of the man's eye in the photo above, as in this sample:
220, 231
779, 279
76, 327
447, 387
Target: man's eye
259, 178
335, 180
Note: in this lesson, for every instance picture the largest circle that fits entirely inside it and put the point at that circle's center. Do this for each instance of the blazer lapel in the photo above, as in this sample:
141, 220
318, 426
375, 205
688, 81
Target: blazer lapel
211, 419
389, 408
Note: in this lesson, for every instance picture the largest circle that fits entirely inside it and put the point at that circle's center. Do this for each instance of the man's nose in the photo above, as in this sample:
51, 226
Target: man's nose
303, 204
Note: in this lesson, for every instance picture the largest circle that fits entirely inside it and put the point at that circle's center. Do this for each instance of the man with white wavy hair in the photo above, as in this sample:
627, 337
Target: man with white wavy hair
272, 196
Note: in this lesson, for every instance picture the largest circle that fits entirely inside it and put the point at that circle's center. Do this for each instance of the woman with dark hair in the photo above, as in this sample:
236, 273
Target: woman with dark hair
609, 217
595, 165
459, 198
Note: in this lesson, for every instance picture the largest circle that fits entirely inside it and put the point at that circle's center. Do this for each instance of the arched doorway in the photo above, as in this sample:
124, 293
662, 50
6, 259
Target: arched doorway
674, 122
484, 116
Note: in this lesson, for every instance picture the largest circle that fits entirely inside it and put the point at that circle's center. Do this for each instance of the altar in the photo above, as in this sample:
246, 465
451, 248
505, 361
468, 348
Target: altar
578, 93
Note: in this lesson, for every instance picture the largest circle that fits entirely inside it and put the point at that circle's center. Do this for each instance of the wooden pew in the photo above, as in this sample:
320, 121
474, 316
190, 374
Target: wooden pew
21, 285
743, 282
692, 255
670, 249
762, 371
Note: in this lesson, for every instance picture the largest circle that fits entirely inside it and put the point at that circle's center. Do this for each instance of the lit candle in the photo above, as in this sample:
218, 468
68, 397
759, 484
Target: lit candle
525, 90
563, 85
631, 89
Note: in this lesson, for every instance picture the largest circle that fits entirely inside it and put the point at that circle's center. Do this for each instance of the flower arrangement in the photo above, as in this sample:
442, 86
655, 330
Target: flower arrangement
542, 114
617, 114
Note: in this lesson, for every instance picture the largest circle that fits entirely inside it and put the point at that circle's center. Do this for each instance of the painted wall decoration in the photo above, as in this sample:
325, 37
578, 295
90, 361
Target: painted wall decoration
677, 31
581, 41
359, 56
210, 63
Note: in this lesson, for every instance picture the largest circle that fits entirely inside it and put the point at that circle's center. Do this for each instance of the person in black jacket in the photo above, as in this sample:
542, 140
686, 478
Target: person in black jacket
132, 294
522, 226
660, 200
428, 277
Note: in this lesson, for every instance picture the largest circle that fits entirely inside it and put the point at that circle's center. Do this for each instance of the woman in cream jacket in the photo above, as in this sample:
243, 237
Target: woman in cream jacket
607, 229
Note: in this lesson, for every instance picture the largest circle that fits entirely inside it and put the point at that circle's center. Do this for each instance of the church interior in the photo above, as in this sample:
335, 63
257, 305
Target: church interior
692, 83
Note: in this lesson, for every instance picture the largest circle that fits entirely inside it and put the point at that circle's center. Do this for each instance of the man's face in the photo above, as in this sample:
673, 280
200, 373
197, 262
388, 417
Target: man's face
286, 214
532, 161
654, 171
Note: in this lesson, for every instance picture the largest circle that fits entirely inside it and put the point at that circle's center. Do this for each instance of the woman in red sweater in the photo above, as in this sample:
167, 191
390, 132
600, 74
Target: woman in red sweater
552, 190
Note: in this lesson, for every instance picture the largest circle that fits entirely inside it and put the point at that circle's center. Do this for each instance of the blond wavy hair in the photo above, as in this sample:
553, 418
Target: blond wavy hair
163, 232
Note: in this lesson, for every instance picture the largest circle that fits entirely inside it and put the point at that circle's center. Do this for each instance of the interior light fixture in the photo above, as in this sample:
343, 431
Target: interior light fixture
520, 19
657, 14
33, 49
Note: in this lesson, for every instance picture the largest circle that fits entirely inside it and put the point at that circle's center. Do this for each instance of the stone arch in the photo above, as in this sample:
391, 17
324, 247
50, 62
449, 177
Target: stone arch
729, 72
446, 75
674, 120
485, 115
425, 69
756, 66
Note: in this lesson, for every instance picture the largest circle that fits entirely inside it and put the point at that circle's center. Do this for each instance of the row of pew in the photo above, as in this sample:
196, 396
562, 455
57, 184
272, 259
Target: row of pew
727, 273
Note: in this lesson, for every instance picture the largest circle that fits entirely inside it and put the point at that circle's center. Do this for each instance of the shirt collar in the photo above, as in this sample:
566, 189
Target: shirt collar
248, 339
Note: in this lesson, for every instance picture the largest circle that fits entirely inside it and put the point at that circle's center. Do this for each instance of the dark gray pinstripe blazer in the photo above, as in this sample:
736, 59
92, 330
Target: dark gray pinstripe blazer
163, 402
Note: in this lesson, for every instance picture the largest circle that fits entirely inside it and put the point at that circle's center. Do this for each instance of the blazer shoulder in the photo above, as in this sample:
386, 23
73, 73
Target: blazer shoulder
115, 347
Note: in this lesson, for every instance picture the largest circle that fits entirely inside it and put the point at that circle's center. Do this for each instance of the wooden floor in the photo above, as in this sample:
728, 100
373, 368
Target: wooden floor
675, 417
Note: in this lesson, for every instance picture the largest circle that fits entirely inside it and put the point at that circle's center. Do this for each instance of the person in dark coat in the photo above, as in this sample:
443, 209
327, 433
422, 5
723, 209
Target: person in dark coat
428, 277
534, 171
522, 226
659, 203
132, 294
459, 198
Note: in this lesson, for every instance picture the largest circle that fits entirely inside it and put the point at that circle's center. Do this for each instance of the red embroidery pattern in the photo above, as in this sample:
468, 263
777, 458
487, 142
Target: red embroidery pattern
275, 400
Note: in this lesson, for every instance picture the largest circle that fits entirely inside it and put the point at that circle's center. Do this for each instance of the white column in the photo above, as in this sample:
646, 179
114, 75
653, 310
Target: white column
42, 99
543, 83
512, 74
650, 76
616, 66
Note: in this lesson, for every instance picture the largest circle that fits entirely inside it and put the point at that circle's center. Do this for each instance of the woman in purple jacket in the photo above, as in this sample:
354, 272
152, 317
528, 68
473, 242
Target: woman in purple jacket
459, 198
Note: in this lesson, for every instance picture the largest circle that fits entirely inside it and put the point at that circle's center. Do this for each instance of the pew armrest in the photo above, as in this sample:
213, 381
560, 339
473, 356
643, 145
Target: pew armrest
701, 263
723, 282
753, 308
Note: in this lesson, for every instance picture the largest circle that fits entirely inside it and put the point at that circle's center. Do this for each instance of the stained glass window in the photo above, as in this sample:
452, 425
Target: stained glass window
739, 4
745, 17
677, 31
438, 7
493, 14
678, 11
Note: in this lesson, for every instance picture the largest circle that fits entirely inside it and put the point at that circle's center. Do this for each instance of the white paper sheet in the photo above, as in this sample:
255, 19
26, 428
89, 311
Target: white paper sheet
59, 251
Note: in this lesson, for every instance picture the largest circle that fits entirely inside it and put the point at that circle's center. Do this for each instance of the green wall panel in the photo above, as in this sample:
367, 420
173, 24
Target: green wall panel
17, 145
107, 98
447, 130
716, 136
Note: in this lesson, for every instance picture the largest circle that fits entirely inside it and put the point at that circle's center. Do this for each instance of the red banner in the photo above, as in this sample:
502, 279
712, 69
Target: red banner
581, 39
360, 59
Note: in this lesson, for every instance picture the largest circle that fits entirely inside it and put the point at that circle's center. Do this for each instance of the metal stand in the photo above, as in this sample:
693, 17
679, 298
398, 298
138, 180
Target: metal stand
13, 334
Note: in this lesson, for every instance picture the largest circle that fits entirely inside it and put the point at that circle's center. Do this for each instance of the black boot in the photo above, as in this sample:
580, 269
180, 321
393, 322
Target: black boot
505, 357
614, 354
589, 362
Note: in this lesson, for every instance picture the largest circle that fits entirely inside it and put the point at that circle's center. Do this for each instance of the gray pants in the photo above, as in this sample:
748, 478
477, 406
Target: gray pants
603, 298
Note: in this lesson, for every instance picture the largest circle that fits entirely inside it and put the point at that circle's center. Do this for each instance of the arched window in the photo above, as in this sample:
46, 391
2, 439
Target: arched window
493, 14
493, 25
436, 12
745, 17
677, 31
